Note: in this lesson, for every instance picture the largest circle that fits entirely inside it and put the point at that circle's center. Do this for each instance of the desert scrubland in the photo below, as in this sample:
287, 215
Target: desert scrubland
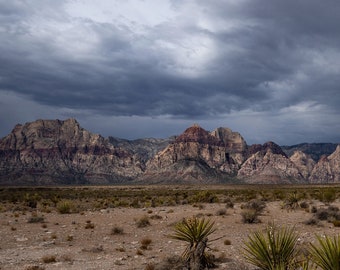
129, 227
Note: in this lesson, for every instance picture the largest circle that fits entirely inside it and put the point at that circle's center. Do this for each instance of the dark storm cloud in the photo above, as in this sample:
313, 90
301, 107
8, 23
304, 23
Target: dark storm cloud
210, 60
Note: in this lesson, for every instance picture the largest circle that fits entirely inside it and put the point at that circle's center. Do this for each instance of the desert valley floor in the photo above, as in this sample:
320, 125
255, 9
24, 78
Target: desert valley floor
110, 238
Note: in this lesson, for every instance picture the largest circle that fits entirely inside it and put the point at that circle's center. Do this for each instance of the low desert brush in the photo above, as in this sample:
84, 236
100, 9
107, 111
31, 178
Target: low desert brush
64, 207
143, 222
49, 259
145, 243
117, 230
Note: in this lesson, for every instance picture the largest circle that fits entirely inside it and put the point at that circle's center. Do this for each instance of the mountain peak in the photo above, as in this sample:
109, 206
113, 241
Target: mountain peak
195, 133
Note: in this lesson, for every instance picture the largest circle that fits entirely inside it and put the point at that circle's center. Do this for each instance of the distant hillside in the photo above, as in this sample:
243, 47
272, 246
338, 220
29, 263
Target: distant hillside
56, 152
314, 150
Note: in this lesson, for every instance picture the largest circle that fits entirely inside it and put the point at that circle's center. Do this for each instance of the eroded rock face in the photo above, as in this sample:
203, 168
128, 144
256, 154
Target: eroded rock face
303, 162
269, 164
61, 152
209, 155
327, 170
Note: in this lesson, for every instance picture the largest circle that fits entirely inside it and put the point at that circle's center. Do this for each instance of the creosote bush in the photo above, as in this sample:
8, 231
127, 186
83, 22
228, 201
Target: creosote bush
36, 219
145, 243
221, 212
49, 259
117, 230
143, 222
252, 210
64, 207
89, 225
35, 267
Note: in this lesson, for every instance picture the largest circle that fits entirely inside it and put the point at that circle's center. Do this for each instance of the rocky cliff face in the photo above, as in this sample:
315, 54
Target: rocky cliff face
303, 162
61, 152
54, 151
327, 170
197, 155
269, 164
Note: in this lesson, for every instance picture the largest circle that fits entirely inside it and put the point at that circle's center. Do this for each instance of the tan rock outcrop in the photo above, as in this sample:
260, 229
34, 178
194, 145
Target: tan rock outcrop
61, 152
303, 162
212, 153
327, 170
269, 165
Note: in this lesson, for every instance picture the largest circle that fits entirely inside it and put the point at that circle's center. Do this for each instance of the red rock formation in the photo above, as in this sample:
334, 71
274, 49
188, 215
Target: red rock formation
61, 152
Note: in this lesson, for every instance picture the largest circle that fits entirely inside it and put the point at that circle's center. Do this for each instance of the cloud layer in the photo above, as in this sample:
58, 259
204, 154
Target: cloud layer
268, 69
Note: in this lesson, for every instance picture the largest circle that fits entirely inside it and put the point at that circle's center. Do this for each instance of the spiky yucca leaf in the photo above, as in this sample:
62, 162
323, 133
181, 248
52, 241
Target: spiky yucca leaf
193, 231
327, 254
273, 250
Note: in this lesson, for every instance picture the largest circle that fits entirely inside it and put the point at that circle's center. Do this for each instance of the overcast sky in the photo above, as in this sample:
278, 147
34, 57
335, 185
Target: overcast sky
151, 68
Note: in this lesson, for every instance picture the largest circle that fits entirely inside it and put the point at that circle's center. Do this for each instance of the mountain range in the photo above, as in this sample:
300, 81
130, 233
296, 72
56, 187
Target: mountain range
56, 152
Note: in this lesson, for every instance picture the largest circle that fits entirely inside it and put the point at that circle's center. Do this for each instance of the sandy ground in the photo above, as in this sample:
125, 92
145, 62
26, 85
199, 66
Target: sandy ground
64, 238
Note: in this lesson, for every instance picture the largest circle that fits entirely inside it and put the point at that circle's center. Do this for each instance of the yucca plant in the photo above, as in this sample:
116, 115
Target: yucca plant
327, 254
195, 232
274, 249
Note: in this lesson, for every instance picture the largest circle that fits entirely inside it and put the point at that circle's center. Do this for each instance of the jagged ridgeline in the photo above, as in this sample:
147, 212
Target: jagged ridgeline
53, 152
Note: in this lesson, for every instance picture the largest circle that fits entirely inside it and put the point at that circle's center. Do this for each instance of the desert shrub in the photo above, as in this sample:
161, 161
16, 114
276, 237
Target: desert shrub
34, 267
229, 203
311, 221
32, 200
314, 209
69, 238
156, 217
149, 266
255, 204
273, 249
64, 207
121, 249
135, 203
336, 223
36, 219
145, 243
66, 258
322, 214
143, 222
49, 259
204, 196
89, 225
304, 205
328, 196
117, 230
227, 242
139, 252
250, 216
174, 262
329, 214
221, 212
252, 210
